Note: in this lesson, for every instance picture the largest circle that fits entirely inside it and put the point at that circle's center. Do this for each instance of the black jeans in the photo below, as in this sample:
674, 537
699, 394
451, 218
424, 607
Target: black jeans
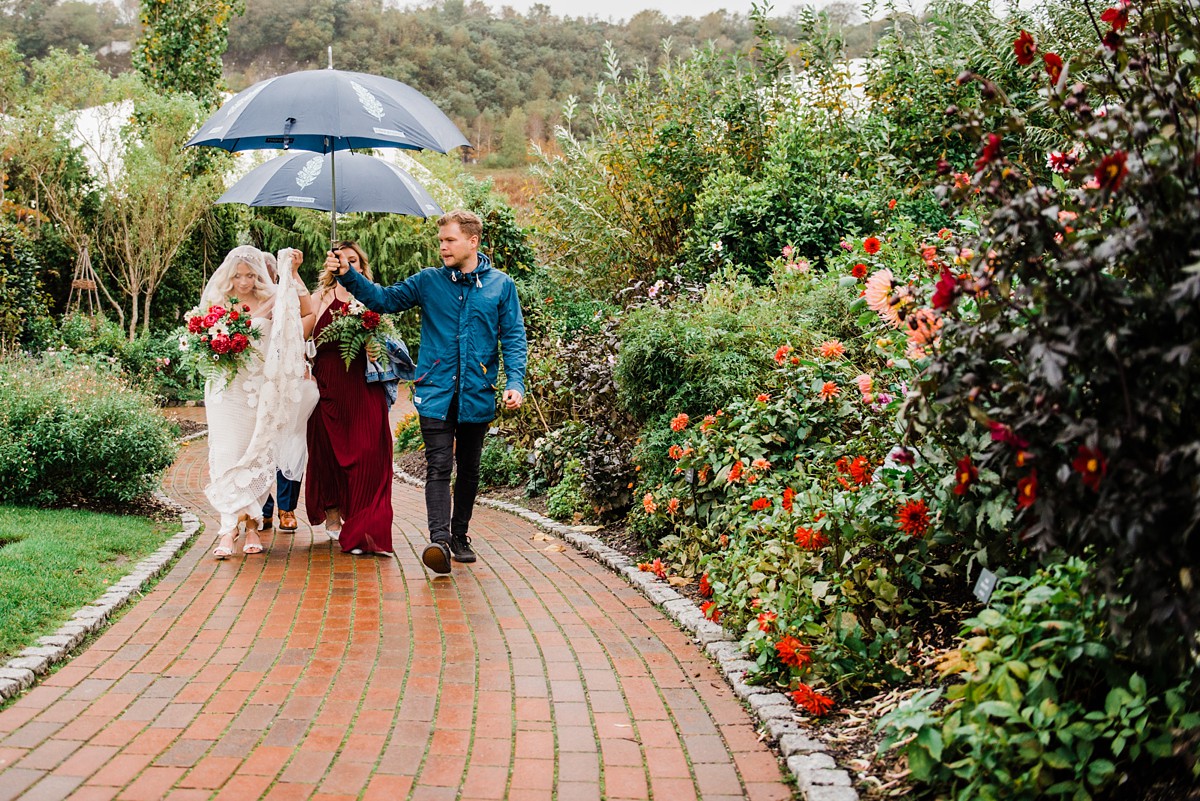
449, 442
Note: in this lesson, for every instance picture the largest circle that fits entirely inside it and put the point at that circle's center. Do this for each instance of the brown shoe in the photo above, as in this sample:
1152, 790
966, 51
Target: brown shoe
267, 525
287, 521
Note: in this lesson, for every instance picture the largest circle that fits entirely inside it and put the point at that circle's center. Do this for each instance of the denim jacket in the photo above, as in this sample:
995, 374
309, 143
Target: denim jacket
395, 367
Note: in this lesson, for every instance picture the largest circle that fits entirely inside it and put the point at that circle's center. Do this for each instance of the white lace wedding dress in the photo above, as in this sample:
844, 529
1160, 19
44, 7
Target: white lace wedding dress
256, 421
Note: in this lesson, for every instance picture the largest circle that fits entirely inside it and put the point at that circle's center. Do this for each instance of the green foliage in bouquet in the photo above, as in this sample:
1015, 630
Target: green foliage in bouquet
357, 329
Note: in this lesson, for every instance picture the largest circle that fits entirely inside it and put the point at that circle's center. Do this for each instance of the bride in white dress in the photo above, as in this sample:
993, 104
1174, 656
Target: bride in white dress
254, 419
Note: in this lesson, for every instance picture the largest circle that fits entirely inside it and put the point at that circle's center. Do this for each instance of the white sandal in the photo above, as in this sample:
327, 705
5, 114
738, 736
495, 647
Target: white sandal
224, 552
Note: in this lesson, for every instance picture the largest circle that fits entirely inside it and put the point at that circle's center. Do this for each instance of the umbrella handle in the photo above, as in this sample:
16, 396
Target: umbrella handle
333, 195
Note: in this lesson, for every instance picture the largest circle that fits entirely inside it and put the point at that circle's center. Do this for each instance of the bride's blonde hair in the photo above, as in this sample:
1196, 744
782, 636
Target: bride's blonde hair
220, 286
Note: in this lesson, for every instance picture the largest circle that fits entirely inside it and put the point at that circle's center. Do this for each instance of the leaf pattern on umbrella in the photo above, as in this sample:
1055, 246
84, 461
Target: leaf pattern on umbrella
310, 172
368, 101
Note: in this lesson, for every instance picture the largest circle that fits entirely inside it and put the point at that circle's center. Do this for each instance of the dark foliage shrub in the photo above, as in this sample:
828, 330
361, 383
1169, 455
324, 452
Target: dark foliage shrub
1077, 339
502, 464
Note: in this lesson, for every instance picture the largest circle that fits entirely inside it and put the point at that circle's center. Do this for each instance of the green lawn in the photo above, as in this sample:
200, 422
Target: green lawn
54, 561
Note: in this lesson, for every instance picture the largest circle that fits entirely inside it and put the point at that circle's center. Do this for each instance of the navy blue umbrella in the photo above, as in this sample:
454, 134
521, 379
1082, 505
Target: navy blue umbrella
327, 110
367, 184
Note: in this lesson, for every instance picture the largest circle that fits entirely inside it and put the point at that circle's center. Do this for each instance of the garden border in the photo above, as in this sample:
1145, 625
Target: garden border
815, 771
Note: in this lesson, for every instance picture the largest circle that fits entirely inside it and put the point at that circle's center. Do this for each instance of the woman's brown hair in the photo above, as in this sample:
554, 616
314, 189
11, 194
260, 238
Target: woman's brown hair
328, 280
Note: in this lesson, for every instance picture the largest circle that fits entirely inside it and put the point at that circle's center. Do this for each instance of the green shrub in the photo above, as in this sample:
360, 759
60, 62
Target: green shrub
72, 428
502, 464
1048, 706
565, 501
407, 436
151, 361
24, 305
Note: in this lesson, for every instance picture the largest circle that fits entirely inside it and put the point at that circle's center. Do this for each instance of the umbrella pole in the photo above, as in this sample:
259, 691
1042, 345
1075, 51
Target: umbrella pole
333, 197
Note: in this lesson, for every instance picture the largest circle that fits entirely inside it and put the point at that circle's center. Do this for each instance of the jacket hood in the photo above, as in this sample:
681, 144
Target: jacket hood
458, 276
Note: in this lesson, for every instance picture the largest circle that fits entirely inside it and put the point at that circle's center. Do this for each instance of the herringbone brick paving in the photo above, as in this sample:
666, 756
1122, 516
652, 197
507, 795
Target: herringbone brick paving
308, 673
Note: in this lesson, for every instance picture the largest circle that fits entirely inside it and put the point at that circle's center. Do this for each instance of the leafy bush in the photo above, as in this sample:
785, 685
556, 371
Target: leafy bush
24, 305
1076, 336
71, 428
1047, 705
152, 361
407, 436
565, 499
502, 464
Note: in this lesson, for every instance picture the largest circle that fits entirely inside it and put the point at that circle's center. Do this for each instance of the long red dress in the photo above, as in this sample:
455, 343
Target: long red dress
349, 449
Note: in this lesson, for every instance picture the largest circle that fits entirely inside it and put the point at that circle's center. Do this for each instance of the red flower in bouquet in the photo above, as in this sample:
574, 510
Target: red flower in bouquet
1054, 66
965, 474
356, 328
217, 339
1118, 16
1027, 491
1112, 171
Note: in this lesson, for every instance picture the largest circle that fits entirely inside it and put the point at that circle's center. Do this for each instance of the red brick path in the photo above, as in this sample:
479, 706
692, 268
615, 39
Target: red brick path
308, 673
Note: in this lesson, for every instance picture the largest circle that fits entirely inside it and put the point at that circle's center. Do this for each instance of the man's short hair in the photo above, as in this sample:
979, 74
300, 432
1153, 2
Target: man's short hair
468, 222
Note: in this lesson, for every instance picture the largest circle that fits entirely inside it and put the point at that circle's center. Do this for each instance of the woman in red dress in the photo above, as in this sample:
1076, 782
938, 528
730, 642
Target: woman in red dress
349, 478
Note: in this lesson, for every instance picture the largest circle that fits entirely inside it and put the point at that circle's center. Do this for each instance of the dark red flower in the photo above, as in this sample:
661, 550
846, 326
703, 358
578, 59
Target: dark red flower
1113, 41
945, 291
239, 342
991, 151
1027, 490
370, 320
811, 701
871, 245
913, 518
195, 324
1054, 66
220, 344
1117, 17
859, 271
1091, 464
965, 474
1112, 171
1002, 433
1025, 49
706, 589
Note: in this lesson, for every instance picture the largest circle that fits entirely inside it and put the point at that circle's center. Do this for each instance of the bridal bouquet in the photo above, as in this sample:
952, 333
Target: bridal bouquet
217, 340
355, 328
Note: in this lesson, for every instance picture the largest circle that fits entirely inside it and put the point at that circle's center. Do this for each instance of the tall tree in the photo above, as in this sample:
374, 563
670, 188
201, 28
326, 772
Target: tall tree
182, 43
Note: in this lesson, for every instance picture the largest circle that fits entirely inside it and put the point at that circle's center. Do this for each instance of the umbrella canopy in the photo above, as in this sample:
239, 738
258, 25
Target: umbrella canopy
326, 110
365, 183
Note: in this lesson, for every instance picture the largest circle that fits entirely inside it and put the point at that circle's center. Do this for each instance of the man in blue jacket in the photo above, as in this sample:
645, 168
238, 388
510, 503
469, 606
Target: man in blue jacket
467, 308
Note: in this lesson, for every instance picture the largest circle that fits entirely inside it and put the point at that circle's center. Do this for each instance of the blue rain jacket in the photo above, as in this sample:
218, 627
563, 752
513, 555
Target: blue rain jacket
464, 317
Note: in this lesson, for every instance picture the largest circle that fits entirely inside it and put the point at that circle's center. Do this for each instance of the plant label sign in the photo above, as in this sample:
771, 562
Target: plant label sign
985, 585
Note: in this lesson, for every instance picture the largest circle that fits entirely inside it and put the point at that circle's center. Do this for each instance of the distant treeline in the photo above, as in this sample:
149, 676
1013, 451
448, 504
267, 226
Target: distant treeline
502, 75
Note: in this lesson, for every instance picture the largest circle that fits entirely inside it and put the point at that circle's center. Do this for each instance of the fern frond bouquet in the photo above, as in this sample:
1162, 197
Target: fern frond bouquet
355, 328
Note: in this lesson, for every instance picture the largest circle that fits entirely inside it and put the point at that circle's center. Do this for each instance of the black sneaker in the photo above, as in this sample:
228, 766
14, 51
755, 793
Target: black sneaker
436, 557
460, 546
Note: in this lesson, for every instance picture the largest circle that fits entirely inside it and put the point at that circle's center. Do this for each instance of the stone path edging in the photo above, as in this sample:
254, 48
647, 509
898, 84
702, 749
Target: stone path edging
815, 771
20, 672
